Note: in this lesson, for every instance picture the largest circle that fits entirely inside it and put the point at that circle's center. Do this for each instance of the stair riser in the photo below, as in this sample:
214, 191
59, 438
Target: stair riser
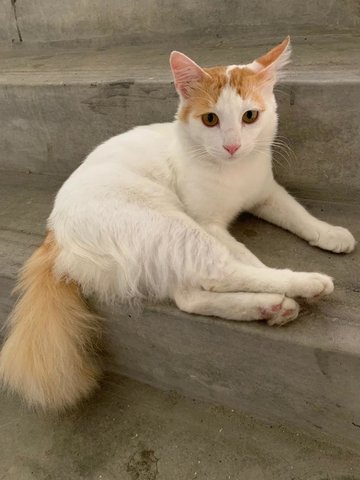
310, 389
91, 20
50, 129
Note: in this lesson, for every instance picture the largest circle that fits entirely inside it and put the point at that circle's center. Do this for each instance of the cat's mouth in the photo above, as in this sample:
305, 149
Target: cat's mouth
228, 158
219, 156
232, 158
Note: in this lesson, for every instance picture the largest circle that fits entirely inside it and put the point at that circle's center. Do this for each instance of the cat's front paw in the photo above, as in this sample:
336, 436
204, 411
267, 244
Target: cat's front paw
335, 239
309, 285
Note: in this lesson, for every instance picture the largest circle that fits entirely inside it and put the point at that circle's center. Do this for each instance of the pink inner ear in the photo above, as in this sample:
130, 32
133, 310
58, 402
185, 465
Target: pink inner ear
185, 72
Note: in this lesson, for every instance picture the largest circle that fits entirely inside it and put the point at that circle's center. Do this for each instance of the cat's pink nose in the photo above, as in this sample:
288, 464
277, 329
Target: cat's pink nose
232, 148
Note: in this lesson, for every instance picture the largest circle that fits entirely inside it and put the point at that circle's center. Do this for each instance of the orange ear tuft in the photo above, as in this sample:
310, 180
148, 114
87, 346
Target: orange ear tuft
280, 53
271, 64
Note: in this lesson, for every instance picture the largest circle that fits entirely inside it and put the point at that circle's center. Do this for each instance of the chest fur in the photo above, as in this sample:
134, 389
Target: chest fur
218, 195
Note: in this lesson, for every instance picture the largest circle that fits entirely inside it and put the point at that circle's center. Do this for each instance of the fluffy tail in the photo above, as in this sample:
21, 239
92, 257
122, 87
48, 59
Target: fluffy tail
49, 356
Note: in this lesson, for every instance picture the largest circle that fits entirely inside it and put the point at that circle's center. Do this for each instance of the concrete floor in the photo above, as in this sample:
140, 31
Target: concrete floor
131, 431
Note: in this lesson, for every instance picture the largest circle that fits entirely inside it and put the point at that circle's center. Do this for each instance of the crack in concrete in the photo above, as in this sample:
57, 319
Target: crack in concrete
13, 4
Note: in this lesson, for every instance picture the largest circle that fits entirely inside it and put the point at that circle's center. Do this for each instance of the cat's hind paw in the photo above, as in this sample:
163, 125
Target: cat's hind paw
280, 313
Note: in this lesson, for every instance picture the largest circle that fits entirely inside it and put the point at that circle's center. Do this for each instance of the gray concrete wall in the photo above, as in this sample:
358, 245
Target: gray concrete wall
113, 20
50, 129
8, 30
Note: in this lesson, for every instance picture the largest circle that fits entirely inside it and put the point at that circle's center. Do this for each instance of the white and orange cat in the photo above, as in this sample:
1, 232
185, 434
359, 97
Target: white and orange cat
146, 216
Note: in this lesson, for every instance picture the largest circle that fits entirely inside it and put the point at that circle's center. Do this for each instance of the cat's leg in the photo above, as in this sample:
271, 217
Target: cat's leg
274, 308
237, 249
237, 277
282, 209
203, 261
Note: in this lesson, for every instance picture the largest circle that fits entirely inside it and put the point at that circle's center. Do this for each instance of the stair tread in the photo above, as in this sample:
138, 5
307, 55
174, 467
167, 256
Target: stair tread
331, 324
316, 58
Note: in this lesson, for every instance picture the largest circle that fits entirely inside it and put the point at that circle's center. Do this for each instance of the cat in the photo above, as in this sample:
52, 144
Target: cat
145, 217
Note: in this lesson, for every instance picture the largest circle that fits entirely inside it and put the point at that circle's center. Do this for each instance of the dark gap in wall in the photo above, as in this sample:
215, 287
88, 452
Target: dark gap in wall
13, 4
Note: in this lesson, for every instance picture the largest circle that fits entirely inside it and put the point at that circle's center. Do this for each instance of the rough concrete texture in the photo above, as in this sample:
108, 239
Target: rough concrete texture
304, 375
129, 431
8, 30
315, 58
56, 105
100, 22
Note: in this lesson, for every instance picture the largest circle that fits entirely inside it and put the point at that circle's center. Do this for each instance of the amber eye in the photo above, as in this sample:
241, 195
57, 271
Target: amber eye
210, 119
250, 116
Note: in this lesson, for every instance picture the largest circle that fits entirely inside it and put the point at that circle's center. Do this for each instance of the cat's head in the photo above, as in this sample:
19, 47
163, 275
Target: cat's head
226, 113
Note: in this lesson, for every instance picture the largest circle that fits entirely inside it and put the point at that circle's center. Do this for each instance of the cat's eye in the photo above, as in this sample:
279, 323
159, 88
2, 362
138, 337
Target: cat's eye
250, 116
210, 119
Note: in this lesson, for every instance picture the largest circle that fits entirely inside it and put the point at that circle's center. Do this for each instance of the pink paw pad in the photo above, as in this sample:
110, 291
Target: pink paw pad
287, 313
265, 313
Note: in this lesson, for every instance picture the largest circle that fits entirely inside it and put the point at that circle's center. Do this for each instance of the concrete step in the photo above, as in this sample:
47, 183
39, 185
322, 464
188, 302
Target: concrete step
130, 431
96, 22
57, 104
305, 375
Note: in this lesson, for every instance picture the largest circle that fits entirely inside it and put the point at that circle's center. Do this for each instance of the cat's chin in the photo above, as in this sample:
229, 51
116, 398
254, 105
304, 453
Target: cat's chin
230, 159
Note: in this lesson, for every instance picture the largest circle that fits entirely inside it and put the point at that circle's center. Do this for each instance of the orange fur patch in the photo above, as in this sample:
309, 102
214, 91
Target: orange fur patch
47, 356
245, 82
205, 93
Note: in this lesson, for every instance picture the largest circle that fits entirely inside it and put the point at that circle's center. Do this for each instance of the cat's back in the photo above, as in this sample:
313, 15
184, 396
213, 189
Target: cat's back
140, 153
141, 145
122, 168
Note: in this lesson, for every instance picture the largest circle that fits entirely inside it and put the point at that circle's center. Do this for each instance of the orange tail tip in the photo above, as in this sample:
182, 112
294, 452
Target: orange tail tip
49, 355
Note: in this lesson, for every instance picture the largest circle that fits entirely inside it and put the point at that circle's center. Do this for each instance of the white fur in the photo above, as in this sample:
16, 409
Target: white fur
146, 216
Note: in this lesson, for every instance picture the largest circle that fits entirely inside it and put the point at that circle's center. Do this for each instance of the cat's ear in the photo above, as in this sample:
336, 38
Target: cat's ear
269, 66
185, 72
